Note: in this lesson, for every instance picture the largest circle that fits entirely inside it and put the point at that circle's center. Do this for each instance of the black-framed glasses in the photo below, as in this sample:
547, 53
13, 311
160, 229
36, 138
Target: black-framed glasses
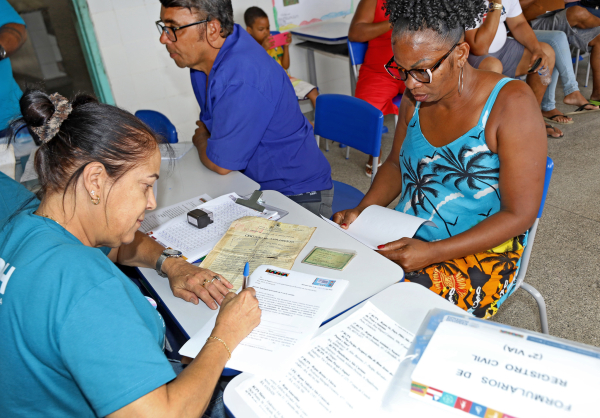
421, 75
170, 30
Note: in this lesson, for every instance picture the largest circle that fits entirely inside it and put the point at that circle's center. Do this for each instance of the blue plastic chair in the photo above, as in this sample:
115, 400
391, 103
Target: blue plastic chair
160, 124
352, 122
356, 53
527, 253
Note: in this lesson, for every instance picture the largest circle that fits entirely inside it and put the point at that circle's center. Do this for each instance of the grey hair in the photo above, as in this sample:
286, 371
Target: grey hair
222, 10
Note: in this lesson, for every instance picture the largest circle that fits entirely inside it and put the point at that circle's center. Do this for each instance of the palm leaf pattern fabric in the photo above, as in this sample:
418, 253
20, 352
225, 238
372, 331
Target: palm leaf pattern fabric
456, 186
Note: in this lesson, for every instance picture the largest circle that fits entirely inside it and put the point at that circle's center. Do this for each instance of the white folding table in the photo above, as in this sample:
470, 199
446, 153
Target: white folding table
368, 273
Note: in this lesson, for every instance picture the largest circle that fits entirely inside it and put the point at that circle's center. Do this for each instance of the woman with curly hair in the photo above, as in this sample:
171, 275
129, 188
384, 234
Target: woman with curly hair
469, 153
370, 24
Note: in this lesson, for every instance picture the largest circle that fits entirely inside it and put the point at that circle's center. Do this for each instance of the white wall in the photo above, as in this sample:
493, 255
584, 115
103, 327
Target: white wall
143, 76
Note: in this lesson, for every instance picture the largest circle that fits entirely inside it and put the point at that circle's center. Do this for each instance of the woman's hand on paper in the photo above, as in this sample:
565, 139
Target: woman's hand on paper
345, 217
410, 253
186, 281
238, 316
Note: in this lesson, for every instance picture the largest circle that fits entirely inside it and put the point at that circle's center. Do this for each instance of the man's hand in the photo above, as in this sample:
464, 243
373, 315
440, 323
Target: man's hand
411, 254
268, 43
186, 282
538, 53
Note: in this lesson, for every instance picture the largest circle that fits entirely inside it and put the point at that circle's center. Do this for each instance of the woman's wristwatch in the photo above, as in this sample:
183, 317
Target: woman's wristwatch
3, 53
167, 253
494, 6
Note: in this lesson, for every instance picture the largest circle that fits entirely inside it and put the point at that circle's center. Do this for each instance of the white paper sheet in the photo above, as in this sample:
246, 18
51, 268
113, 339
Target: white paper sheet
158, 217
377, 225
29, 171
7, 160
179, 150
343, 372
509, 373
293, 307
195, 243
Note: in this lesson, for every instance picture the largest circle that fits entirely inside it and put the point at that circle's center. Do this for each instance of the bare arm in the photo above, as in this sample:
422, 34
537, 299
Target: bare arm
523, 33
185, 279
285, 60
200, 140
481, 38
521, 147
12, 37
189, 394
362, 28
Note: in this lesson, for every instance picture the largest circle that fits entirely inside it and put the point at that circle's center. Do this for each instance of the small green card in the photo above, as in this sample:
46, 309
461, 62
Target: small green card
329, 258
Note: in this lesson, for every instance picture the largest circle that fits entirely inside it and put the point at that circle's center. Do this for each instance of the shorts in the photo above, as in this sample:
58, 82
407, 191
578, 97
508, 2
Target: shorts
509, 55
557, 20
378, 88
301, 88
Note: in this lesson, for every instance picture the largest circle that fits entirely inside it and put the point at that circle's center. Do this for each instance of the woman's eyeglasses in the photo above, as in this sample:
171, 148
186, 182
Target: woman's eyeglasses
421, 75
170, 31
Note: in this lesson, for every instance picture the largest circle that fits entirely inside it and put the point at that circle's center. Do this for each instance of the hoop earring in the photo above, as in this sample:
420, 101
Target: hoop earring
460, 80
95, 201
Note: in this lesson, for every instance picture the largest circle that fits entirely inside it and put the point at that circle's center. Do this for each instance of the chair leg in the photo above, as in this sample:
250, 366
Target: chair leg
577, 62
318, 138
348, 153
326, 145
541, 305
587, 76
395, 120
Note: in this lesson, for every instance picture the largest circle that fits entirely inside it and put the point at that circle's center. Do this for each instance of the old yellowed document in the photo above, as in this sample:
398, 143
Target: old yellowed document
257, 241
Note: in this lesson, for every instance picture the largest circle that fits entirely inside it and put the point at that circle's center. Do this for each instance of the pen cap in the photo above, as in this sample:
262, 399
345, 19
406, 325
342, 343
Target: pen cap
247, 269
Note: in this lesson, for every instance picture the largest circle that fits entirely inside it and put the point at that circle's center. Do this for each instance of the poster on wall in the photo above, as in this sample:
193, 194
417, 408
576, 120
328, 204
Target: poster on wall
293, 13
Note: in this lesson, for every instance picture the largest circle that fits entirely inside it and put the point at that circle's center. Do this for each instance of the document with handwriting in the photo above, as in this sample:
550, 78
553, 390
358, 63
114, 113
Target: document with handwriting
293, 307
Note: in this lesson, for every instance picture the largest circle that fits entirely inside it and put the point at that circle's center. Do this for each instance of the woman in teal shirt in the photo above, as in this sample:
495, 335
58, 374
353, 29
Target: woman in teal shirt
78, 338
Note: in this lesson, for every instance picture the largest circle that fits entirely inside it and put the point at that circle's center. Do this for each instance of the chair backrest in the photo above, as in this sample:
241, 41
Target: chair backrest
532, 231
357, 52
349, 121
160, 124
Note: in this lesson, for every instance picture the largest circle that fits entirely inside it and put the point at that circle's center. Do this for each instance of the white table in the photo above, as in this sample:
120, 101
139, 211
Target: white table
401, 301
319, 36
368, 273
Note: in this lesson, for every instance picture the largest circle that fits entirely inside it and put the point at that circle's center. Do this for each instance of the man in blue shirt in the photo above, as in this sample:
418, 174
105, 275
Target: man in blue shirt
12, 37
250, 119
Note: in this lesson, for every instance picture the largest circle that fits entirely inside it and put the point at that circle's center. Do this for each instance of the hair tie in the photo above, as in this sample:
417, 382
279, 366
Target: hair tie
62, 109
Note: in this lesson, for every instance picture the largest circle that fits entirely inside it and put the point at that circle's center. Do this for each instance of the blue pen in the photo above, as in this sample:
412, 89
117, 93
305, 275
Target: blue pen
246, 274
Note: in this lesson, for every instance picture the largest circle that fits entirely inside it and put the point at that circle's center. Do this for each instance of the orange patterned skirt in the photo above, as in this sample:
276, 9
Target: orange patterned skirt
478, 283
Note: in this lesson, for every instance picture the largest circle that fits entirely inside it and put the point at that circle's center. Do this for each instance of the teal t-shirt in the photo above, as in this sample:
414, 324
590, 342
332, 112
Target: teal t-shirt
78, 338
12, 197
10, 93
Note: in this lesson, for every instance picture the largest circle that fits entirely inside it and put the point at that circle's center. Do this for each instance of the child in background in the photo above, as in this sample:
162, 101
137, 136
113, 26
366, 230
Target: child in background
257, 25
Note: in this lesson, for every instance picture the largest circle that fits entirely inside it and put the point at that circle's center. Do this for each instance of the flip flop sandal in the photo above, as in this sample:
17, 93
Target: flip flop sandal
370, 167
594, 102
581, 109
554, 129
552, 119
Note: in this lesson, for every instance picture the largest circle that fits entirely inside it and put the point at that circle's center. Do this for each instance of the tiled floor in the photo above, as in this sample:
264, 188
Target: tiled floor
564, 264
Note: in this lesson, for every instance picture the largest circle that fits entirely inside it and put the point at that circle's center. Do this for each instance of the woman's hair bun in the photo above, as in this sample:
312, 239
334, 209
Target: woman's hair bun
83, 98
36, 108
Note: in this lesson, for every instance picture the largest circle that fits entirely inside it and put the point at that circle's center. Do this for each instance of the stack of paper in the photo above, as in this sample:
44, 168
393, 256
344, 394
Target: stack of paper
293, 307
344, 372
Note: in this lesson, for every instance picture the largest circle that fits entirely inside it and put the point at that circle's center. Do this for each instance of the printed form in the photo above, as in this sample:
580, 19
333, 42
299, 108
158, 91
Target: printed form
345, 370
293, 307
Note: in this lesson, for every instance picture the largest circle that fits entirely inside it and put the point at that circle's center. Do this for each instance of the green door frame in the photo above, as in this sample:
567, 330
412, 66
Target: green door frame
91, 52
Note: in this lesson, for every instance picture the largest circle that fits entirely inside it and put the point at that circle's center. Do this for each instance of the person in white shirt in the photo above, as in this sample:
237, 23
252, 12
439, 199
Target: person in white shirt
493, 50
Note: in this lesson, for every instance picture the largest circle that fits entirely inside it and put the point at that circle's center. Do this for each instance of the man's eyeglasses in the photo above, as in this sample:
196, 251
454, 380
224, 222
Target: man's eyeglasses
421, 75
170, 31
